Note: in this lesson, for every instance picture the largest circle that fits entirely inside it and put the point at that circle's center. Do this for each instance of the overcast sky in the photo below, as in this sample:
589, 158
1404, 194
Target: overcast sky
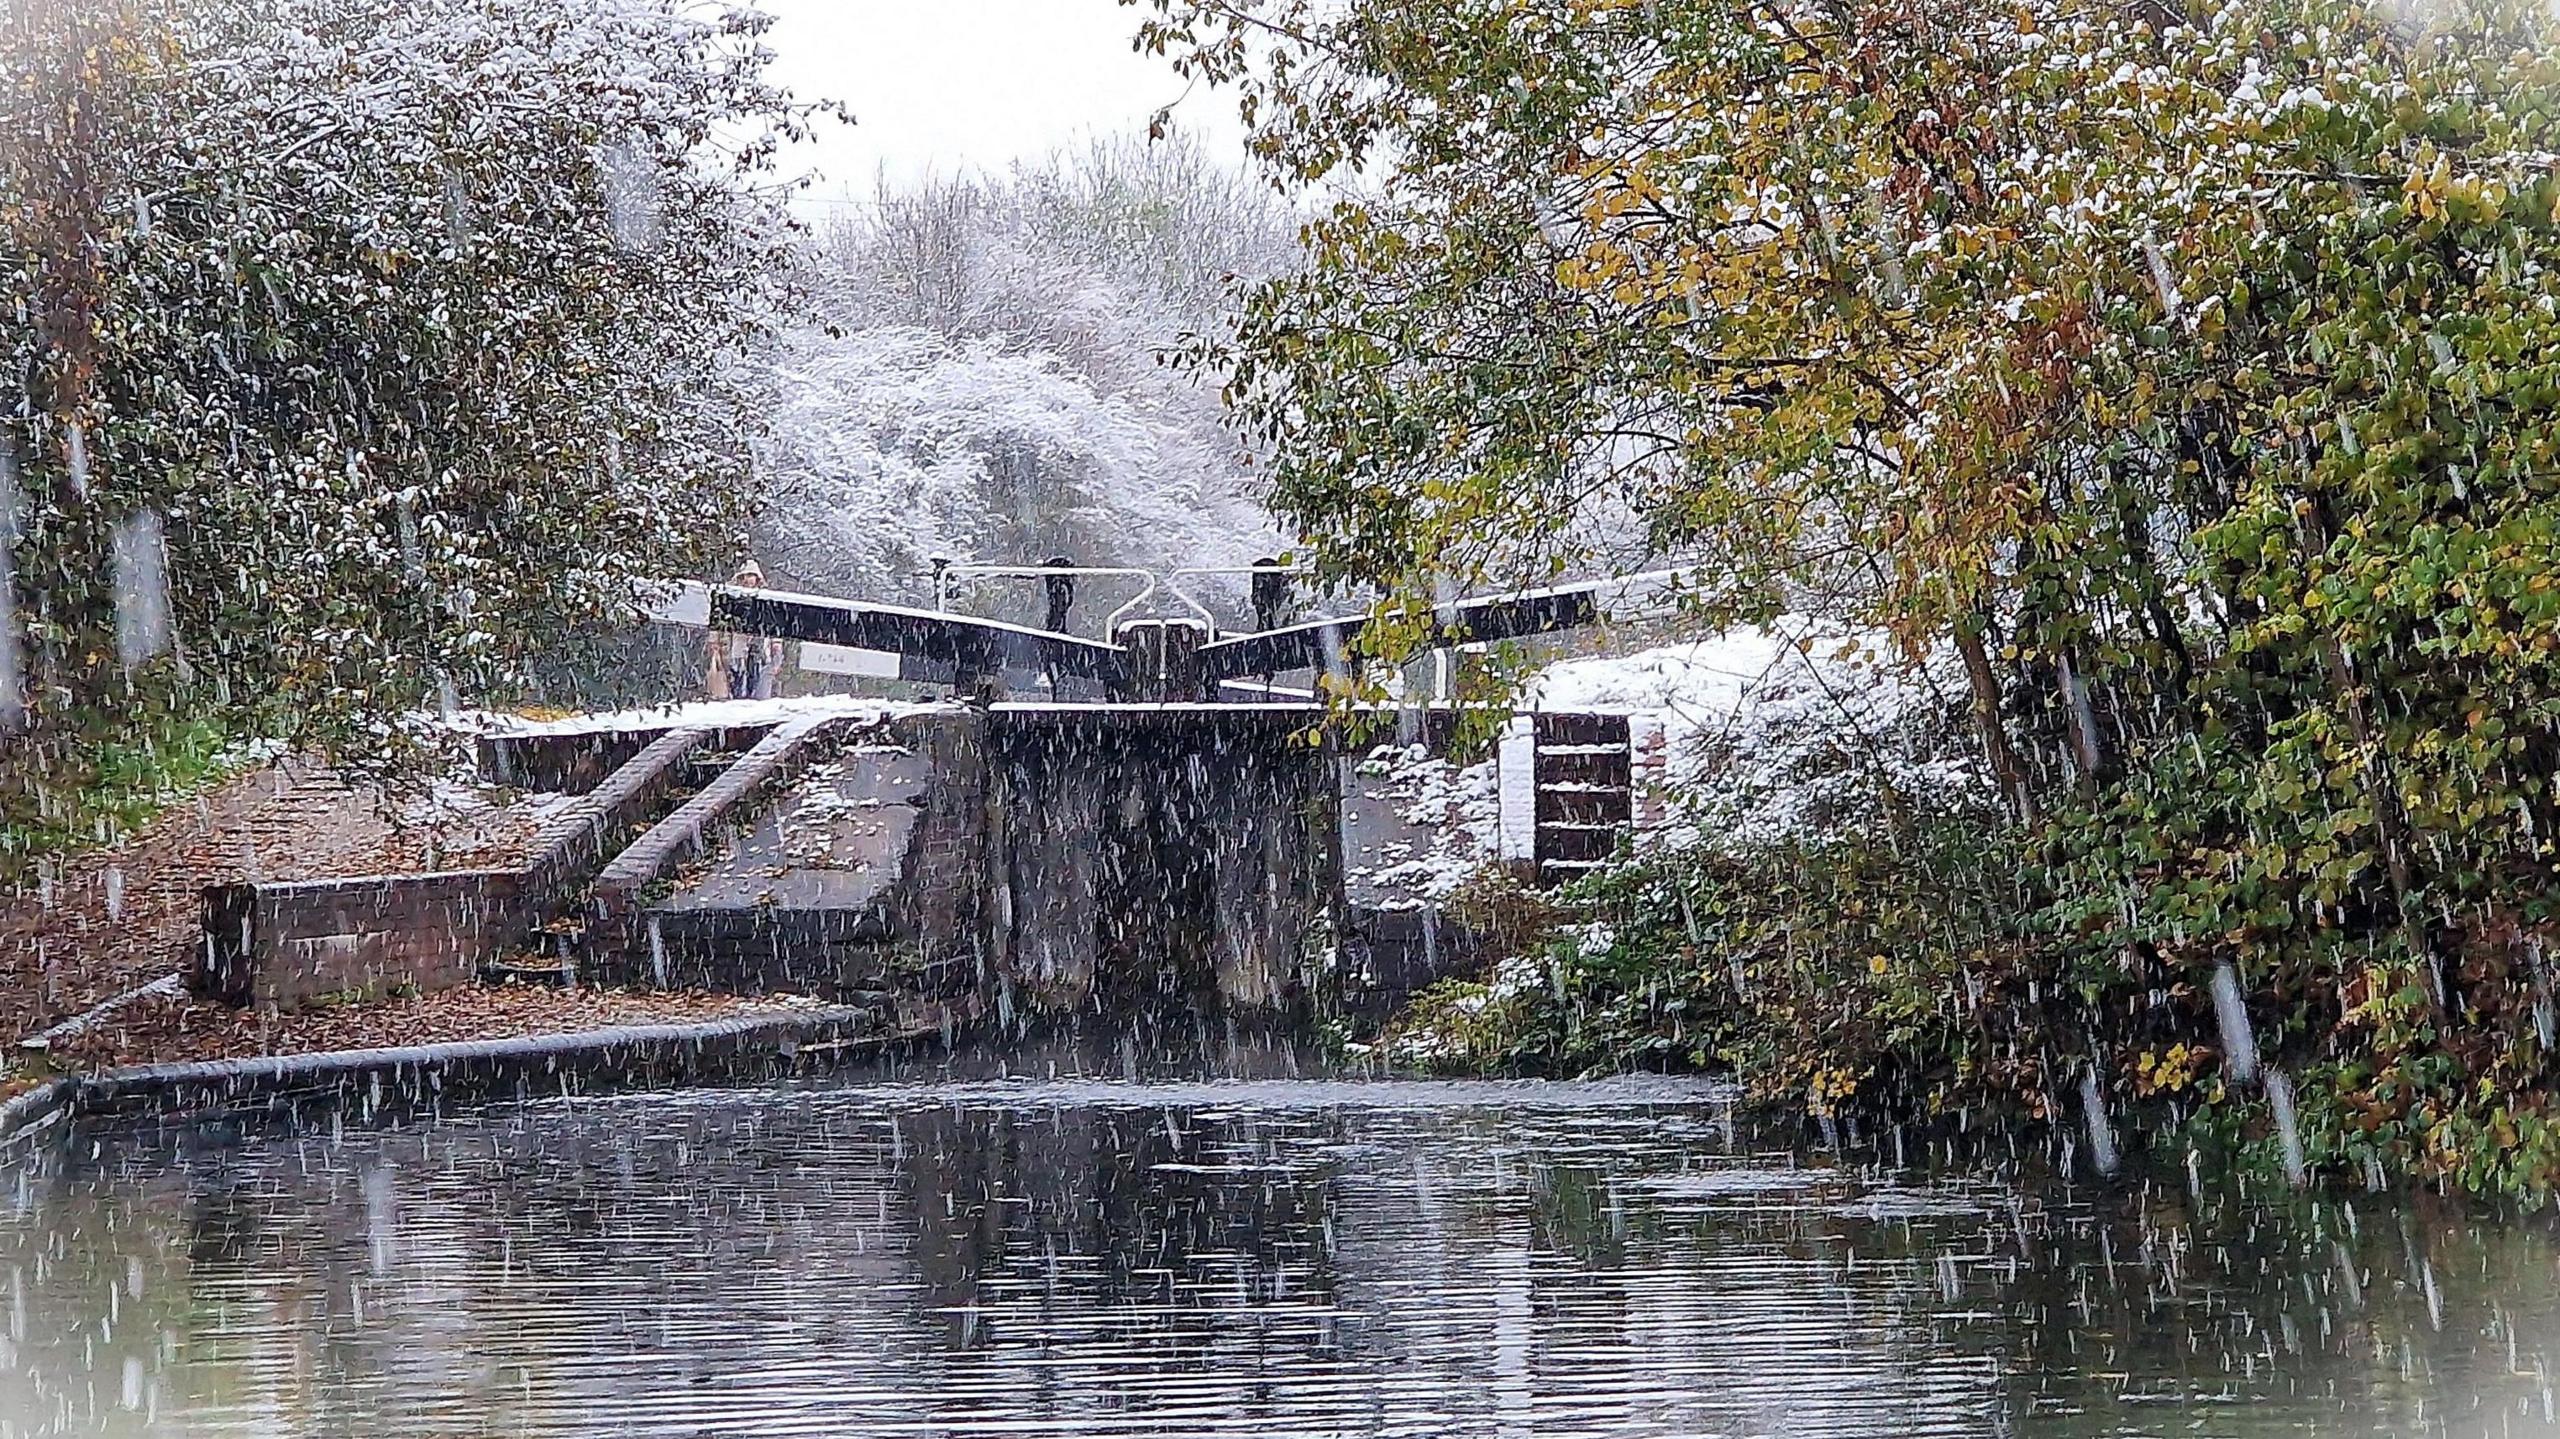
946, 85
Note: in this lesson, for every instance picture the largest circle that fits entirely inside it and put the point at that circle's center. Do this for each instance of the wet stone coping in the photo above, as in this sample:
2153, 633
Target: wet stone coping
31, 1117
383, 1082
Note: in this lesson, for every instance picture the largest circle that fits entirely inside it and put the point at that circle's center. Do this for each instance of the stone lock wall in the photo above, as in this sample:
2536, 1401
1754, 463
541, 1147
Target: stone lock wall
1139, 855
1047, 859
283, 946
1052, 859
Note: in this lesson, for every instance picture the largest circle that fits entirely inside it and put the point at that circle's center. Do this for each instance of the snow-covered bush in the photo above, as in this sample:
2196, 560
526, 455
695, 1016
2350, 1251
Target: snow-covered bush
1834, 835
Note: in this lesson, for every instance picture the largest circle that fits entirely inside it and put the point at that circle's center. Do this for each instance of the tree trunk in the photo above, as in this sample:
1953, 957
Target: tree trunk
2088, 752
1984, 681
2135, 528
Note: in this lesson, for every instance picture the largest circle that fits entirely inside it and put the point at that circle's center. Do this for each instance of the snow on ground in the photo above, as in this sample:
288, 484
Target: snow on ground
1771, 734
1708, 679
716, 713
1779, 732
1447, 820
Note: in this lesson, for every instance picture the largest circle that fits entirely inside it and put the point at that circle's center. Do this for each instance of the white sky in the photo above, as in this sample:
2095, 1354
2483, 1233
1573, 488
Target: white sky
947, 85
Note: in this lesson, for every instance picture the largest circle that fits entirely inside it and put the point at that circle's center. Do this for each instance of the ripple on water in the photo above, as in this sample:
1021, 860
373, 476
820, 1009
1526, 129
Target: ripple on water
1228, 1098
1738, 1180
1274, 1258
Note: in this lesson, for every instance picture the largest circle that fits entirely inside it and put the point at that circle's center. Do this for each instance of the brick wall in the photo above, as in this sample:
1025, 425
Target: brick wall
284, 946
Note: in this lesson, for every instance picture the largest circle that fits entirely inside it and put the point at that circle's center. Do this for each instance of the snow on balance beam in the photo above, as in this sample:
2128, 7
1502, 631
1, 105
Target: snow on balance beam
889, 641
860, 637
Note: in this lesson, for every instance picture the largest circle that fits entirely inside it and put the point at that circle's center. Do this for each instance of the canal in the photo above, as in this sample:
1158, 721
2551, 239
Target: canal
951, 1251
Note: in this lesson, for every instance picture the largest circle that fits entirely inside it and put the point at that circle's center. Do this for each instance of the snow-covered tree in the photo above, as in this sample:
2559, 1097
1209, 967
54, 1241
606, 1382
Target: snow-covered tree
351, 350
982, 382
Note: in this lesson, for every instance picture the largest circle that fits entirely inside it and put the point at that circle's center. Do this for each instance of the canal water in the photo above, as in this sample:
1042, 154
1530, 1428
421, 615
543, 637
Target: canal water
945, 1256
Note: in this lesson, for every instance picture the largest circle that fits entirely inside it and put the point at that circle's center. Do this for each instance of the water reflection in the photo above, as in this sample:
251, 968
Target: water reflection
1272, 1257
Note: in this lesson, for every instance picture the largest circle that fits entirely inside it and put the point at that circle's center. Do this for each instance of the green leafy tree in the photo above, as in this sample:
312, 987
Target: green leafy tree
2185, 368
353, 352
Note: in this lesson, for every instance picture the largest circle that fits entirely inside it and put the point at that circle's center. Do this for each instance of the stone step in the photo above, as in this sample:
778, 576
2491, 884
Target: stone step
696, 823
1557, 871
583, 840
563, 974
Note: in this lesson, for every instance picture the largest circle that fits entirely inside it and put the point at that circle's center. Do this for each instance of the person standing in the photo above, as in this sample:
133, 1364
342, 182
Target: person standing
742, 667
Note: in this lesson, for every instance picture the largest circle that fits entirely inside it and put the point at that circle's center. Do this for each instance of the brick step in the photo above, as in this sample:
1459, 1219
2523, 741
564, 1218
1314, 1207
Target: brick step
1557, 871
700, 770
1613, 769
561, 974
585, 839
1586, 806
1577, 730
691, 827
1578, 841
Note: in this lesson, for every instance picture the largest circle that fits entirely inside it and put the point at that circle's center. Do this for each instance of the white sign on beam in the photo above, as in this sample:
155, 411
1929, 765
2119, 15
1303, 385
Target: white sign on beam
844, 660
1649, 741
